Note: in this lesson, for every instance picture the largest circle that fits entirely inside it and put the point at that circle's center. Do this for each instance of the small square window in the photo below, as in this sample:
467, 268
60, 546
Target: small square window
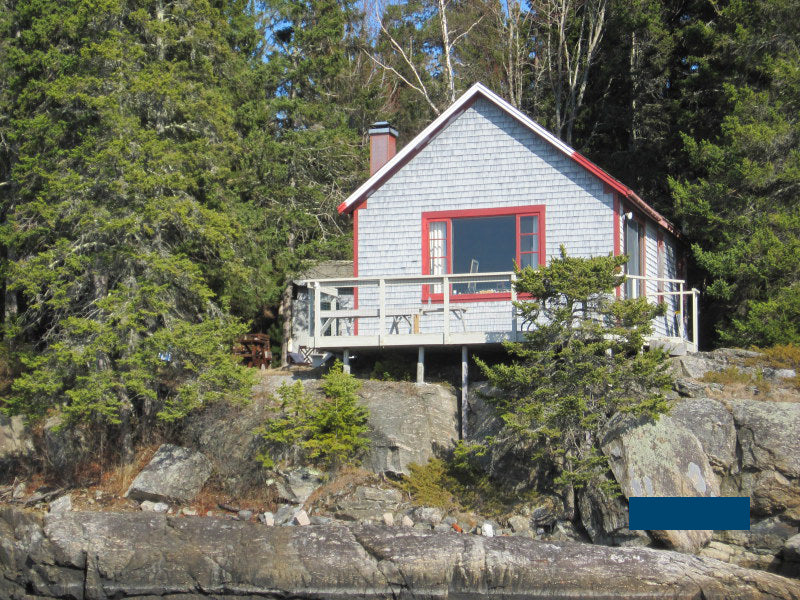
529, 224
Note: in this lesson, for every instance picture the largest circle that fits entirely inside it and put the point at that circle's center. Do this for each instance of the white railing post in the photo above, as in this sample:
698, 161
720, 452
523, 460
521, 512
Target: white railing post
446, 309
317, 310
695, 324
682, 321
514, 323
381, 308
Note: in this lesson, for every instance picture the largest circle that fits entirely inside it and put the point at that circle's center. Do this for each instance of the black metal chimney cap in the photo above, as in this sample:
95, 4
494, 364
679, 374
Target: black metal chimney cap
380, 127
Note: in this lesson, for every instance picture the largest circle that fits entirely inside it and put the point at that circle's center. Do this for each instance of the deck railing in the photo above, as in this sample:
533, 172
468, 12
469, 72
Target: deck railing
397, 311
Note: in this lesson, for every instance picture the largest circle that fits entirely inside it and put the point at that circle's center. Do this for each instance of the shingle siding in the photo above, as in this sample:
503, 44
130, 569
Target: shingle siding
484, 159
487, 159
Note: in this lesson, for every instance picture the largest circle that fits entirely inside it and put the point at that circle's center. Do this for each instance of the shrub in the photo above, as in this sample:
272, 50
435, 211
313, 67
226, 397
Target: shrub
458, 483
394, 369
781, 356
330, 432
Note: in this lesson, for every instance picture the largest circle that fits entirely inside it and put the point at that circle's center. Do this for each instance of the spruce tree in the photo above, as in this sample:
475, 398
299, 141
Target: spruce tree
581, 363
739, 199
120, 227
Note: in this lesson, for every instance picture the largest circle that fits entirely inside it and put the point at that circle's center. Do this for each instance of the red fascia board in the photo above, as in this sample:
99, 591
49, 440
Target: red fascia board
600, 174
576, 156
626, 192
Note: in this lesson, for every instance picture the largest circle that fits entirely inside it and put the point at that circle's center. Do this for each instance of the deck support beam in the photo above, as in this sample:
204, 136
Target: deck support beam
464, 390
346, 361
421, 365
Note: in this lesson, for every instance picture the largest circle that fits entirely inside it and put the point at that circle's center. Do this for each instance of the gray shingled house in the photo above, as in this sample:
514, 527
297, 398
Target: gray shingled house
438, 226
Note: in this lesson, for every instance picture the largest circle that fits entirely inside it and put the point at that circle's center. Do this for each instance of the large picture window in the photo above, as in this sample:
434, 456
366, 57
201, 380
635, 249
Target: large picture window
481, 241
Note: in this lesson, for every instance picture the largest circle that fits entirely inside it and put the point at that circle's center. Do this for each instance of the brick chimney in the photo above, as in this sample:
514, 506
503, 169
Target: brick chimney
382, 145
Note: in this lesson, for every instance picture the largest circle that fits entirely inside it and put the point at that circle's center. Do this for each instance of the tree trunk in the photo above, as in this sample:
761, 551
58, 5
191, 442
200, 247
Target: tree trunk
127, 453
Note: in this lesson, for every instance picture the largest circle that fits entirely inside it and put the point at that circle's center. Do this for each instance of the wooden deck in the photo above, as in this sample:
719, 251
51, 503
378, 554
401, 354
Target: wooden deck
384, 312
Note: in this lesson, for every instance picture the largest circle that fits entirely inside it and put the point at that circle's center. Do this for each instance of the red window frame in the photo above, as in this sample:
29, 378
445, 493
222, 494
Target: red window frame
448, 216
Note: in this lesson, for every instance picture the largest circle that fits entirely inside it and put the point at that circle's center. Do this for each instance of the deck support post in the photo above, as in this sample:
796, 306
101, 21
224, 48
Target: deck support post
421, 365
464, 390
346, 361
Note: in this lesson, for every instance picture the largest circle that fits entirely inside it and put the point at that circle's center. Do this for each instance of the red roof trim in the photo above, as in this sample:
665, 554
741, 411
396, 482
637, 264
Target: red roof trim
467, 100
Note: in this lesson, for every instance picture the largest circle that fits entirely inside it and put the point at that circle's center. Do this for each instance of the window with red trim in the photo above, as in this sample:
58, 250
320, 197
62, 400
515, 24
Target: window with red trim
480, 241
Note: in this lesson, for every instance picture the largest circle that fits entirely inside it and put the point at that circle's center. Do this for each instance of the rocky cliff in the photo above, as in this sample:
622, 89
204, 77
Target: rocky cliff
89, 555
718, 439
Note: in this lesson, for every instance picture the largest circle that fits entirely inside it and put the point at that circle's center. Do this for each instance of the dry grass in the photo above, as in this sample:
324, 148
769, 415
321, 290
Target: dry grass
116, 480
748, 391
786, 356
212, 495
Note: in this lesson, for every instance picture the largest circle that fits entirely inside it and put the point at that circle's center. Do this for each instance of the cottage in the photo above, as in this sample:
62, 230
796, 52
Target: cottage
438, 226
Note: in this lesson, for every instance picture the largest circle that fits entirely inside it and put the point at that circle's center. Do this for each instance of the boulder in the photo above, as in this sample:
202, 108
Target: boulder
427, 514
16, 445
224, 433
156, 507
61, 505
284, 515
791, 549
295, 485
408, 424
767, 433
63, 448
661, 458
146, 555
174, 474
713, 426
301, 518
482, 420
367, 502
520, 525
759, 548
605, 519
695, 366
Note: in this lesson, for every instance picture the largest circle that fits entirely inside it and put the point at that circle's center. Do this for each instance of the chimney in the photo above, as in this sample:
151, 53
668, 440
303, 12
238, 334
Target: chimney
382, 145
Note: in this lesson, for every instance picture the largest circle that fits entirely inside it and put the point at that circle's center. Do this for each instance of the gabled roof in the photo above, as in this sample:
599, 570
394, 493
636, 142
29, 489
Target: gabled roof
451, 114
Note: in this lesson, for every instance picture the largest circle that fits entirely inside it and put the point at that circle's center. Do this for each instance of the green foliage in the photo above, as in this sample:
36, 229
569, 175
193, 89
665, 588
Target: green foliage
393, 369
738, 201
331, 432
581, 364
164, 168
459, 483
431, 485
119, 223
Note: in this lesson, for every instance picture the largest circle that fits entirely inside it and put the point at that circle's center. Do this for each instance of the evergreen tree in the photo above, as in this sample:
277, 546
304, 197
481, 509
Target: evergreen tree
305, 149
120, 224
739, 202
580, 365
